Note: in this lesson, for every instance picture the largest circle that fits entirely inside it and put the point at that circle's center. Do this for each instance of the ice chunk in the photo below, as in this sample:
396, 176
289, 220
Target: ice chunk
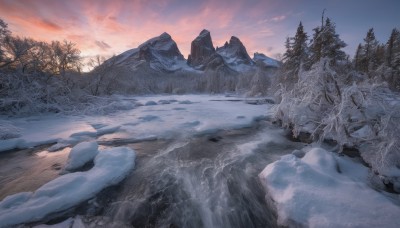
185, 102
325, 190
164, 102
81, 154
149, 103
110, 167
148, 118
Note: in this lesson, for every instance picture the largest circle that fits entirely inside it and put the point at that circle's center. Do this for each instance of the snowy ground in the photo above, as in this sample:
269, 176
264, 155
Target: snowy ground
325, 190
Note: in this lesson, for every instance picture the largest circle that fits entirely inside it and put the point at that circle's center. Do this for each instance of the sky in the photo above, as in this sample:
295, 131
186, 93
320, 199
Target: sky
100, 27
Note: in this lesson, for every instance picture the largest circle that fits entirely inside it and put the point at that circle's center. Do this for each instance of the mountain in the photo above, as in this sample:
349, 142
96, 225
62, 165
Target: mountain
159, 53
265, 61
235, 55
231, 56
201, 50
157, 66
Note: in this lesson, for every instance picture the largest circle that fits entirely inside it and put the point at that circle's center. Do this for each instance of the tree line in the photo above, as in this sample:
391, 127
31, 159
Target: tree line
379, 62
26, 55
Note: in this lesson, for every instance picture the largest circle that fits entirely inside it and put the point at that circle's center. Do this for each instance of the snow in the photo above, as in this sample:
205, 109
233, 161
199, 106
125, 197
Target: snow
177, 116
233, 61
266, 60
363, 132
125, 55
81, 154
110, 167
325, 190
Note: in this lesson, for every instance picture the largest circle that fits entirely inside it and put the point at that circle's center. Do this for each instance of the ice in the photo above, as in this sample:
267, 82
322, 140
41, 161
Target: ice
8, 131
363, 132
185, 102
148, 118
162, 121
110, 167
64, 224
325, 190
150, 103
81, 154
164, 102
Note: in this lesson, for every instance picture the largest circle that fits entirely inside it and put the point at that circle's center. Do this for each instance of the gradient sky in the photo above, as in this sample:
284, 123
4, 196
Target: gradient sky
111, 27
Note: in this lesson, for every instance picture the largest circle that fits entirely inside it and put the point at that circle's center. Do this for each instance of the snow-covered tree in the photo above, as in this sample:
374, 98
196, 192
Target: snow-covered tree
4, 32
296, 54
368, 60
392, 47
16, 52
294, 58
357, 58
326, 43
392, 59
64, 56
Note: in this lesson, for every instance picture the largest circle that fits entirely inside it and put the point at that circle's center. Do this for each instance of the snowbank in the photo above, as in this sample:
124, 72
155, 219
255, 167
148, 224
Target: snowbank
325, 190
111, 167
81, 154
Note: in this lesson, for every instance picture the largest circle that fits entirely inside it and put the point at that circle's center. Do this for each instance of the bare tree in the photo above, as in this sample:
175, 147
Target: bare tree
64, 56
16, 51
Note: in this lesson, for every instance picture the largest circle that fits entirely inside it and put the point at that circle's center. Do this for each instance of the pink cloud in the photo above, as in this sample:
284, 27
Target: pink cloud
122, 23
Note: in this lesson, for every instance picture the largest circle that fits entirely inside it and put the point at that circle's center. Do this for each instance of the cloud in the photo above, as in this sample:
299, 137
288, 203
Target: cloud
278, 18
48, 25
93, 25
102, 45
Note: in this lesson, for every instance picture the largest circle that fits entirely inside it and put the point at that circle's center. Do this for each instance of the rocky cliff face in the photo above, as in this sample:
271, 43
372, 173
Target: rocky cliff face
232, 55
201, 50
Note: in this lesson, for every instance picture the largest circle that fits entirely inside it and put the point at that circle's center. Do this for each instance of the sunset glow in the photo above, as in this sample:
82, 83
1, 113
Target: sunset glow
111, 27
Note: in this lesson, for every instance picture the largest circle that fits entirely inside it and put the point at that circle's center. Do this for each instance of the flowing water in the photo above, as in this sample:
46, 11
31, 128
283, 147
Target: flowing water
207, 181
202, 181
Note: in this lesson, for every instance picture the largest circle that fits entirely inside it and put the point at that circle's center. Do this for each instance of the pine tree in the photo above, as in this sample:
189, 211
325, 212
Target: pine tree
379, 56
369, 59
326, 43
392, 59
296, 53
357, 58
392, 46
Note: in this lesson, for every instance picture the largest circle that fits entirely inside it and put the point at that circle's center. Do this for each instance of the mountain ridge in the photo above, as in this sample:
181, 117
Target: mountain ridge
161, 53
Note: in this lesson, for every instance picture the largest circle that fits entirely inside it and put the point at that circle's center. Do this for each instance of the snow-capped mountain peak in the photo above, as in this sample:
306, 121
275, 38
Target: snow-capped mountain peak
161, 53
266, 61
235, 55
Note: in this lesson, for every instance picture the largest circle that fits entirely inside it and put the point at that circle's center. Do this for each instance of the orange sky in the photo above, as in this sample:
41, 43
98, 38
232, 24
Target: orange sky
111, 27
